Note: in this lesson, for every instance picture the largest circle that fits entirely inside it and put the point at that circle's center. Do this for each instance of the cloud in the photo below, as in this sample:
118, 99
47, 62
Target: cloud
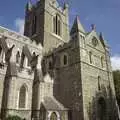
115, 60
19, 24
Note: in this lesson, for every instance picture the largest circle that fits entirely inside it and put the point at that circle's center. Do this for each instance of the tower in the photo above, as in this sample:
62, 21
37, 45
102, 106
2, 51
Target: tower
47, 23
98, 93
68, 82
83, 81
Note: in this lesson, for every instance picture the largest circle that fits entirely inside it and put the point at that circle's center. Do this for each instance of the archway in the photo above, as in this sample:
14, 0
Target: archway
53, 116
101, 109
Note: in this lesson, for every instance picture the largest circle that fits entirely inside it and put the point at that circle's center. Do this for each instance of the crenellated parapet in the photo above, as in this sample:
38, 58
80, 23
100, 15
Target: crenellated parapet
53, 3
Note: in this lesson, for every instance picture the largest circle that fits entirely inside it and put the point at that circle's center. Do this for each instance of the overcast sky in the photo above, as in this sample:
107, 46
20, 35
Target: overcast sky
104, 13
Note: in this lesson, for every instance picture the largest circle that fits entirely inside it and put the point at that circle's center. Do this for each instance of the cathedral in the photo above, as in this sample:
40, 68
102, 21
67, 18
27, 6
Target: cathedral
53, 72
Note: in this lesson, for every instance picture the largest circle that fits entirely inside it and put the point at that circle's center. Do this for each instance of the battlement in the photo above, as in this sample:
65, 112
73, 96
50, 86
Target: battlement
56, 5
53, 4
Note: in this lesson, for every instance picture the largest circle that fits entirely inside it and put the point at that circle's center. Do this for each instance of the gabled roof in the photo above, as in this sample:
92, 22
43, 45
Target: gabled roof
98, 36
50, 103
77, 26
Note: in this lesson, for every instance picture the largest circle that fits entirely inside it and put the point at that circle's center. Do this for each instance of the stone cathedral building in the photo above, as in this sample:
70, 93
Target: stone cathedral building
54, 73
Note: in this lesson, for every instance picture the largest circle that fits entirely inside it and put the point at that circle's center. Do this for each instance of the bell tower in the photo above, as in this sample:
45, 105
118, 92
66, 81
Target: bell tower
47, 23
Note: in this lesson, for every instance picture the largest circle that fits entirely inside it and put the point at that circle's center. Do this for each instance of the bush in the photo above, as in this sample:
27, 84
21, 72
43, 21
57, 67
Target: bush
10, 117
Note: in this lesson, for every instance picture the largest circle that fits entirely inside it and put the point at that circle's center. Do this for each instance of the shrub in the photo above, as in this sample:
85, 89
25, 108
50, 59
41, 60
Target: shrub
10, 117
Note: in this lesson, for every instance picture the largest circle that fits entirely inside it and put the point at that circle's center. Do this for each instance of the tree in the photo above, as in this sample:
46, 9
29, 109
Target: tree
116, 77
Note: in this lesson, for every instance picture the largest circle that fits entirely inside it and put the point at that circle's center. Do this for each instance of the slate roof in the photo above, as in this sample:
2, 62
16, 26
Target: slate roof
50, 103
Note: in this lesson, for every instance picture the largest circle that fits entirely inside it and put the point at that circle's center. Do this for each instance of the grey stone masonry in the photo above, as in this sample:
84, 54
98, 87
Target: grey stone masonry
54, 73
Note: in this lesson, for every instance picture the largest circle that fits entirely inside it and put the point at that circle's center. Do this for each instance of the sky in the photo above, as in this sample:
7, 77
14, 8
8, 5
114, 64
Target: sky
105, 14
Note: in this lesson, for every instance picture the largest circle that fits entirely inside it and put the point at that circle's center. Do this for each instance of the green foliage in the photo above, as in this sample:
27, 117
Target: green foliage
10, 117
116, 76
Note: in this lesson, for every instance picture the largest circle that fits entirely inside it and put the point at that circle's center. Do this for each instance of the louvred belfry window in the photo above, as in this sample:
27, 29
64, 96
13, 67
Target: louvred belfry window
57, 25
34, 25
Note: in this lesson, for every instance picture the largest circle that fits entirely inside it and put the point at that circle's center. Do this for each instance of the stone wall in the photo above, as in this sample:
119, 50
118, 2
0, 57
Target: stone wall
13, 82
44, 11
96, 82
2, 77
68, 85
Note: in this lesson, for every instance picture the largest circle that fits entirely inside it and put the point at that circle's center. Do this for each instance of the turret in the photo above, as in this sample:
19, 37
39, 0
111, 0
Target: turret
29, 6
77, 26
93, 27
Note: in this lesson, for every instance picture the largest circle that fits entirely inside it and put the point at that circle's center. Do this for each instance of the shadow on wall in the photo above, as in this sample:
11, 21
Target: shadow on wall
103, 105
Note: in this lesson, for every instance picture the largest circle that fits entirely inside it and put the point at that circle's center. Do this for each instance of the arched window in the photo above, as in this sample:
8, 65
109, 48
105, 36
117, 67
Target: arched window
57, 25
26, 62
102, 59
1, 55
99, 86
22, 97
0, 50
90, 57
18, 57
64, 59
34, 60
53, 116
